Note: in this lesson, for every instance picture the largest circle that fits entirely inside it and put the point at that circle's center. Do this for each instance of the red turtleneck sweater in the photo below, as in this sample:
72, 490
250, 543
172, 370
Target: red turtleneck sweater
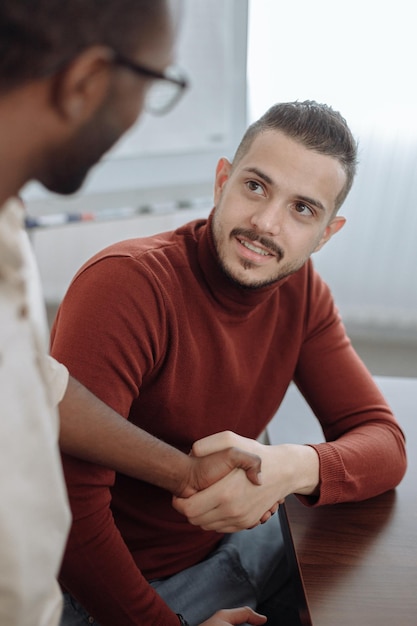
154, 328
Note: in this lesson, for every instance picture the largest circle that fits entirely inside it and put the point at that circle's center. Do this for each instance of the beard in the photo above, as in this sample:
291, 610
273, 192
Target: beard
255, 284
248, 282
68, 179
70, 163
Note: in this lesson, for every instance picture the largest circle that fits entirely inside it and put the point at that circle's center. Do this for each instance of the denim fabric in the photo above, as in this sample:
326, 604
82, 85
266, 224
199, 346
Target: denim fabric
248, 568
74, 614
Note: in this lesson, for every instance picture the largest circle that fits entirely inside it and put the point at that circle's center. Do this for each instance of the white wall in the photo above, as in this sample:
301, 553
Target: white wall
60, 251
358, 56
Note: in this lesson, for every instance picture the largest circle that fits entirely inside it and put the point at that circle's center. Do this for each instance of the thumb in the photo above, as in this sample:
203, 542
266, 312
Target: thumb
250, 463
216, 442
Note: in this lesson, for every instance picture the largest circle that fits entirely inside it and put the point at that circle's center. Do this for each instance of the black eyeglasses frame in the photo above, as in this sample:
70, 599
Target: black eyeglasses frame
144, 70
147, 71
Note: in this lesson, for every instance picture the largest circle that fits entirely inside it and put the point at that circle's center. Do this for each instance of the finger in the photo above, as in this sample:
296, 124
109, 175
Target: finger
222, 507
254, 526
265, 517
214, 443
216, 465
221, 522
250, 463
204, 501
219, 494
241, 615
214, 519
250, 616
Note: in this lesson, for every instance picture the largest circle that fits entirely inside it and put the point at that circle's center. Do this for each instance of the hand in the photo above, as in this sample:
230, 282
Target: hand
208, 469
265, 517
232, 503
243, 615
228, 505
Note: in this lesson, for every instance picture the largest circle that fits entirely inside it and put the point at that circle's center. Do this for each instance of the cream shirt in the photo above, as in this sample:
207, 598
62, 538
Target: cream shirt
34, 513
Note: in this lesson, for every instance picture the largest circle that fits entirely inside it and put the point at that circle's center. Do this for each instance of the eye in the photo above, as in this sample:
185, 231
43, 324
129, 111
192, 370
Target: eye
255, 187
304, 209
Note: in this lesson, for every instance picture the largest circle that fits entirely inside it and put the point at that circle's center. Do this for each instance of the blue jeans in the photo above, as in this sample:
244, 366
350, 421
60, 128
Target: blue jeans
247, 568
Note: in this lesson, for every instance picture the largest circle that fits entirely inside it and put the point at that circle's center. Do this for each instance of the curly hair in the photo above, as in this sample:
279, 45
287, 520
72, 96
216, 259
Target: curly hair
316, 126
39, 36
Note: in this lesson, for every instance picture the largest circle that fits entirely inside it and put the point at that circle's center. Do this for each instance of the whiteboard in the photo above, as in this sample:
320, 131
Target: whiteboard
182, 147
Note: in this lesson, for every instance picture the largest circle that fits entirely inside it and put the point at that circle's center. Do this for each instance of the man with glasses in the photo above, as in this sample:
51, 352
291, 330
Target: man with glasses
74, 76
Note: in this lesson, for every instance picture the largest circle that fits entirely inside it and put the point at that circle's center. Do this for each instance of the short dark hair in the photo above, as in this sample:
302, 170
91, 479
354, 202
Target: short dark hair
39, 36
316, 126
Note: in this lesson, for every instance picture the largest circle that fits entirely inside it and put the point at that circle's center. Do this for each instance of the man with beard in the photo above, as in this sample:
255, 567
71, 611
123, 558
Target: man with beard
198, 331
74, 76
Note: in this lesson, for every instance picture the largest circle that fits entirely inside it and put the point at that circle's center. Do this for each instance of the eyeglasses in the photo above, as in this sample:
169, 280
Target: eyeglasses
165, 91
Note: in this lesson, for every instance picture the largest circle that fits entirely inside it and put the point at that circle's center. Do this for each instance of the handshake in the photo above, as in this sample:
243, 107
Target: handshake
222, 487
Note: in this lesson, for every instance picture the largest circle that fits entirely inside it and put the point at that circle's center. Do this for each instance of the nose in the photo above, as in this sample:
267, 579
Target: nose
268, 219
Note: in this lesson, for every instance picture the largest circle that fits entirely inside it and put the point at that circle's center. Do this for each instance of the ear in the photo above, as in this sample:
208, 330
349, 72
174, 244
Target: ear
80, 88
331, 229
222, 175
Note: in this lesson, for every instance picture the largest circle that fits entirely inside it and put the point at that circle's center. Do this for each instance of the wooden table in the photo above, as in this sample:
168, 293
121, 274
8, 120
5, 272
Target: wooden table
355, 564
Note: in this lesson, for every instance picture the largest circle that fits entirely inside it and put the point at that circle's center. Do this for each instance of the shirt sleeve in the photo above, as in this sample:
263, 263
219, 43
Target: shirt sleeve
364, 454
99, 299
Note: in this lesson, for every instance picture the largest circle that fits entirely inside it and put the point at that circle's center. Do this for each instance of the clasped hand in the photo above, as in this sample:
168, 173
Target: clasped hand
234, 502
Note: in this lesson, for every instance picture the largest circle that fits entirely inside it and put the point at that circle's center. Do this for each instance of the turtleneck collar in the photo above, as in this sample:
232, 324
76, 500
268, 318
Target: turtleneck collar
231, 297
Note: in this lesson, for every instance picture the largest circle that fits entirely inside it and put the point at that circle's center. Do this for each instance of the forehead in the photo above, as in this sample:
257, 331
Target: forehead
293, 167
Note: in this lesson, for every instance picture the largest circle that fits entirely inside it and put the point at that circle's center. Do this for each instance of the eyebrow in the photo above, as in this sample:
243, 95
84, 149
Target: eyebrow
260, 173
269, 181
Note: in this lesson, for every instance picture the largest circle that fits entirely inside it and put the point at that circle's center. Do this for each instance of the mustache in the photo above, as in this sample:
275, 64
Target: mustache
265, 241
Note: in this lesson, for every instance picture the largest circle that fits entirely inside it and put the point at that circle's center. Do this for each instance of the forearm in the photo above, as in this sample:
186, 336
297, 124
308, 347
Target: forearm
364, 453
92, 431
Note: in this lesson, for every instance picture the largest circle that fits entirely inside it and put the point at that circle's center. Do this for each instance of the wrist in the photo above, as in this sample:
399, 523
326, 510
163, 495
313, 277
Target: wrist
297, 467
182, 486
306, 469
